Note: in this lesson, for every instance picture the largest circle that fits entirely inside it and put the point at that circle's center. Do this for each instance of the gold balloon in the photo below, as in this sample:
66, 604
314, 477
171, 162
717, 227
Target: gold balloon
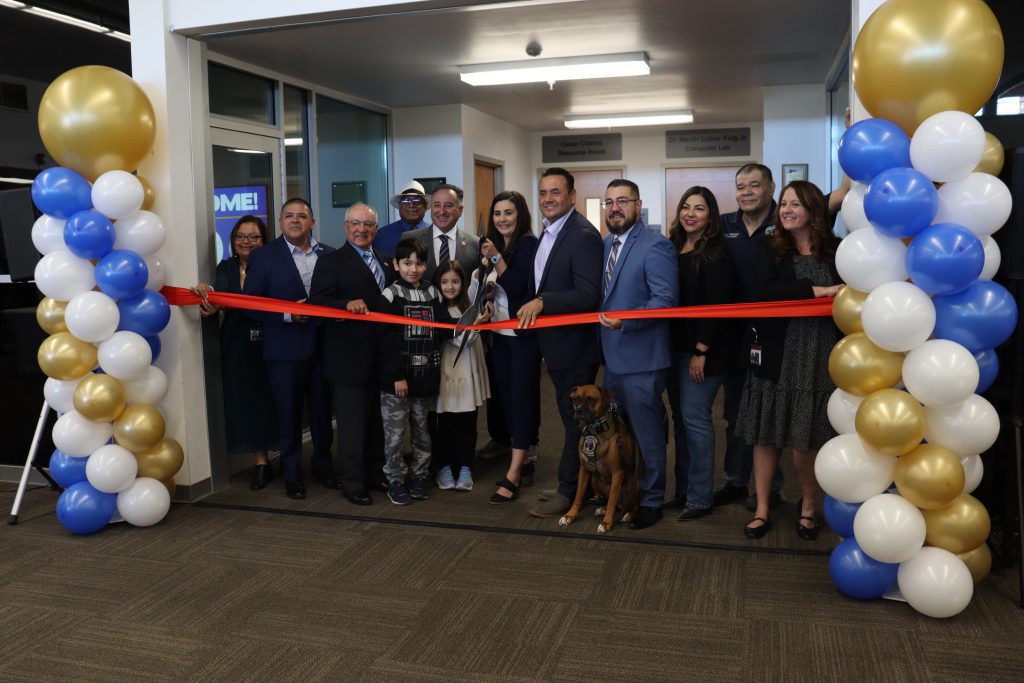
993, 157
960, 526
978, 561
846, 308
171, 485
65, 357
930, 476
139, 428
50, 315
891, 422
100, 398
162, 461
95, 119
149, 196
859, 367
915, 58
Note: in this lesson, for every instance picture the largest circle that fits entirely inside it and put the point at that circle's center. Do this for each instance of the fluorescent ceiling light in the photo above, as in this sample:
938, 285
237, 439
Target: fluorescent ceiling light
66, 19
245, 151
649, 118
557, 69
16, 181
12, 4
293, 142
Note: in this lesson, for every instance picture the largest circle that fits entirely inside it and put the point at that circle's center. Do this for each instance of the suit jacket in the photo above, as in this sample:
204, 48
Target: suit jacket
467, 250
272, 273
351, 351
645, 276
571, 283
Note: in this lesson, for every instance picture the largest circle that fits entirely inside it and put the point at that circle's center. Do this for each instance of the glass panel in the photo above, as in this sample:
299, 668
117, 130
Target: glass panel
242, 95
296, 142
242, 182
351, 147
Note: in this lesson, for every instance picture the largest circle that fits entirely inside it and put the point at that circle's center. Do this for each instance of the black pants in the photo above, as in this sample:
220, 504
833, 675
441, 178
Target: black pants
569, 463
360, 435
454, 441
292, 383
497, 425
516, 381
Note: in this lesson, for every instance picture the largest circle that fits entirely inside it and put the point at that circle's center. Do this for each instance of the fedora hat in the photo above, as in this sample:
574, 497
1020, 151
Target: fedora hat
411, 188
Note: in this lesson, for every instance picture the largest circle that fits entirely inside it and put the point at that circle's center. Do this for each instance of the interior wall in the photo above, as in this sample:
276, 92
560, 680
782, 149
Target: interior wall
20, 141
796, 131
495, 140
427, 144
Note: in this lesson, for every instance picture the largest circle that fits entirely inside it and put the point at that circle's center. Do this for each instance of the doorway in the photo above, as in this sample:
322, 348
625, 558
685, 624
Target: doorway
590, 189
486, 180
721, 180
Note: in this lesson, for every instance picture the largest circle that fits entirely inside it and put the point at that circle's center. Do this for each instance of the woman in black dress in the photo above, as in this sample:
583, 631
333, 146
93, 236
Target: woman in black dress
248, 409
785, 398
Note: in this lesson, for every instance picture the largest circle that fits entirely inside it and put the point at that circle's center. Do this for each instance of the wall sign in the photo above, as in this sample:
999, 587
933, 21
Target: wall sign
557, 149
711, 142
230, 204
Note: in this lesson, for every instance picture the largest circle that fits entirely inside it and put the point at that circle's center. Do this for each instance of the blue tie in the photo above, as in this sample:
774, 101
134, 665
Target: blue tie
378, 275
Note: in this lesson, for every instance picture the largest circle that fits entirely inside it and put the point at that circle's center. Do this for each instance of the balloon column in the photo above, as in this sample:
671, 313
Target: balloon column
925, 66
101, 278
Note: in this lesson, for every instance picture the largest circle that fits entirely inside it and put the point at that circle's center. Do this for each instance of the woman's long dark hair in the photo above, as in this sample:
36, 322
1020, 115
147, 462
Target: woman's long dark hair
523, 222
703, 250
823, 242
260, 225
454, 267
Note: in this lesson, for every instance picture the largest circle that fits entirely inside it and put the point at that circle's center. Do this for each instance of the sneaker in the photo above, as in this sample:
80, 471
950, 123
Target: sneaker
397, 493
728, 493
492, 449
773, 501
465, 482
419, 487
445, 481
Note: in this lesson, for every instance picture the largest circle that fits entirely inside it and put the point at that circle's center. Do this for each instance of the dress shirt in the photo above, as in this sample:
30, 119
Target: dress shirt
436, 243
305, 262
362, 254
547, 240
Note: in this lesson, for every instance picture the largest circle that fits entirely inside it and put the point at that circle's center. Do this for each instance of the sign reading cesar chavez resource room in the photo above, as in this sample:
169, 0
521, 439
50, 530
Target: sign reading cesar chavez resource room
711, 142
596, 147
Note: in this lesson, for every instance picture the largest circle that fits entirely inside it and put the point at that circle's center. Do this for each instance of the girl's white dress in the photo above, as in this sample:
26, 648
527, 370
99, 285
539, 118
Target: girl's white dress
464, 385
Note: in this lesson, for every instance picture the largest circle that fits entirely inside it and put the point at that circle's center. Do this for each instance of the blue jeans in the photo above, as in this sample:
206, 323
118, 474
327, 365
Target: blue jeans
694, 432
739, 457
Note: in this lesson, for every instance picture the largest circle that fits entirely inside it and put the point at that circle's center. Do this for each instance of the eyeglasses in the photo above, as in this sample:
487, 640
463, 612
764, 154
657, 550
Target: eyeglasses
621, 202
412, 201
365, 224
248, 238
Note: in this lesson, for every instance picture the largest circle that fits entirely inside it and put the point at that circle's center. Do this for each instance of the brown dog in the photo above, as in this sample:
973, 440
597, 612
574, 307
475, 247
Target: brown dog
609, 459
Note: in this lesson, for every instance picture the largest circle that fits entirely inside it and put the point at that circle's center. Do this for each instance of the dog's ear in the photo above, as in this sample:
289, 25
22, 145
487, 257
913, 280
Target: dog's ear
606, 397
573, 392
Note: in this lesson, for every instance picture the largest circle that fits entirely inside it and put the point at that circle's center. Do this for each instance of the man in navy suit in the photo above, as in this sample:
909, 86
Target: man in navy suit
293, 345
352, 278
566, 279
640, 272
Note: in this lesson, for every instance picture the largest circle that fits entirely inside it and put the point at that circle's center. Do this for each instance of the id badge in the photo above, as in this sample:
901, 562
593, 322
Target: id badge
755, 355
255, 333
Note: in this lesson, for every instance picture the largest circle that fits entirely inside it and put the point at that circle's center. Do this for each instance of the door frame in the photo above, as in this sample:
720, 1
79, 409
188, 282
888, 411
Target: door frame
274, 146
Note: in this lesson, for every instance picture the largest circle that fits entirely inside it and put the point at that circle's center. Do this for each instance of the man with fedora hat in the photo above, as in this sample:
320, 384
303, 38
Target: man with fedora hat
411, 203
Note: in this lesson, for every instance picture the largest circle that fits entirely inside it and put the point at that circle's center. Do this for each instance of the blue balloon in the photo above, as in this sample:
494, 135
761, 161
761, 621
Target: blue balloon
988, 369
81, 509
122, 274
65, 469
146, 313
89, 234
981, 317
871, 146
901, 202
857, 575
839, 515
945, 258
61, 192
154, 345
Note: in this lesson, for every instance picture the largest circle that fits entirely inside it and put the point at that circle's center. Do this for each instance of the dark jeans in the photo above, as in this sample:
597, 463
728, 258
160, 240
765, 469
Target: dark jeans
569, 462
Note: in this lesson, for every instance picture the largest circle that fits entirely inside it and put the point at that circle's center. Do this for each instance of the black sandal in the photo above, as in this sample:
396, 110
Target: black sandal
757, 531
498, 499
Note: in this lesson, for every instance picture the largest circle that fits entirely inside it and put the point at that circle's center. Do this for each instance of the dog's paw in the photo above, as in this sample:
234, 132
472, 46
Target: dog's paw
626, 517
566, 520
599, 512
601, 528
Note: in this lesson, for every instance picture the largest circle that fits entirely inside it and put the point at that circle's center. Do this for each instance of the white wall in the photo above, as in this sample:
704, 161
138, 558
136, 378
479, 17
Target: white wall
796, 130
20, 141
427, 144
494, 140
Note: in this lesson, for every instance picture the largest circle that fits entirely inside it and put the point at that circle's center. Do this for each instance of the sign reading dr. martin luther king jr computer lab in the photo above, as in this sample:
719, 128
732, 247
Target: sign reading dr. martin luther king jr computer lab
710, 142
560, 149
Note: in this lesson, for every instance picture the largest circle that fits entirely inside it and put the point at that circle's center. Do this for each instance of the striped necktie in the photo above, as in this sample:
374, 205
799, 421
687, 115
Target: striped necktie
612, 256
443, 255
378, 274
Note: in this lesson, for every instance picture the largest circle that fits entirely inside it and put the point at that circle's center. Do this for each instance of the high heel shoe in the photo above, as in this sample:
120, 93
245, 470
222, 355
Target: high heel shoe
526, 474
498, 499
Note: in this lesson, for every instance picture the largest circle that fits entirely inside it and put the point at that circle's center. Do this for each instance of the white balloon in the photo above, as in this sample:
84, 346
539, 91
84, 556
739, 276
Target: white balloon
947, 146
974, 470
62, 275
940, 373
111, 469
145, 503
970, 426
157, 273
92, 316
889, 528
149, 388
60, 395
142, 233
848, 471
842, 411
48, 234
853, 208
77, 436
980, 202
993, 258
126, 355
866, 259
898, 316
936, 583
117, 194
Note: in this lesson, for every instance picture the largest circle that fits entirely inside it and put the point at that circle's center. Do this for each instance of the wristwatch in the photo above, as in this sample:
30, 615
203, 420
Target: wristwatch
495, 259
698, 352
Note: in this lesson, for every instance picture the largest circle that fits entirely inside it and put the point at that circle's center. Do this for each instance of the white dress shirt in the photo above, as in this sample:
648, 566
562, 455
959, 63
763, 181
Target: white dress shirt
547, 241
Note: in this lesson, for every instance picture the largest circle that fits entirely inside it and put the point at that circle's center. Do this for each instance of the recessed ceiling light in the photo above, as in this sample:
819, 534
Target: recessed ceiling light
65, 19
649, 118
557, 69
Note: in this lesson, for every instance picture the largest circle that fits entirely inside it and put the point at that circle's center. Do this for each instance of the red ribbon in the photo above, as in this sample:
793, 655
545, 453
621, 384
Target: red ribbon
801, 308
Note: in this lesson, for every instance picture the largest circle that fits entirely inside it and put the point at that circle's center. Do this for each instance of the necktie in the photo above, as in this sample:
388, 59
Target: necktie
378, 275
612, 256
443, 254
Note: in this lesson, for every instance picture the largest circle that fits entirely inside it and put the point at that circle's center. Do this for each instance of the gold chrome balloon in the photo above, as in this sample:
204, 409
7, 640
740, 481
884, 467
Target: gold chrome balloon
95, 119
139, 428
978, 561
891, 422
162, 461
100, 398
171, 485
915, 58
50, 315
846, 308
960, 526
993, 157
930, 476
859, 367
149, 196
65, 357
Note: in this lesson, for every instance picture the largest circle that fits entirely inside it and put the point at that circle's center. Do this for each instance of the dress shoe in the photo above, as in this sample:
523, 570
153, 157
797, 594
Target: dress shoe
357, 497
675, 503
555, 506
645, 517
261, 476
295, 490
546, 494
757, 531
689, 513
728, 493
492, 449
773, 501
329, 481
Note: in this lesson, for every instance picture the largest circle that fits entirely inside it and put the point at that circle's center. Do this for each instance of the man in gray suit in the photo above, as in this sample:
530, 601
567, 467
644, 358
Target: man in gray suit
444, 240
